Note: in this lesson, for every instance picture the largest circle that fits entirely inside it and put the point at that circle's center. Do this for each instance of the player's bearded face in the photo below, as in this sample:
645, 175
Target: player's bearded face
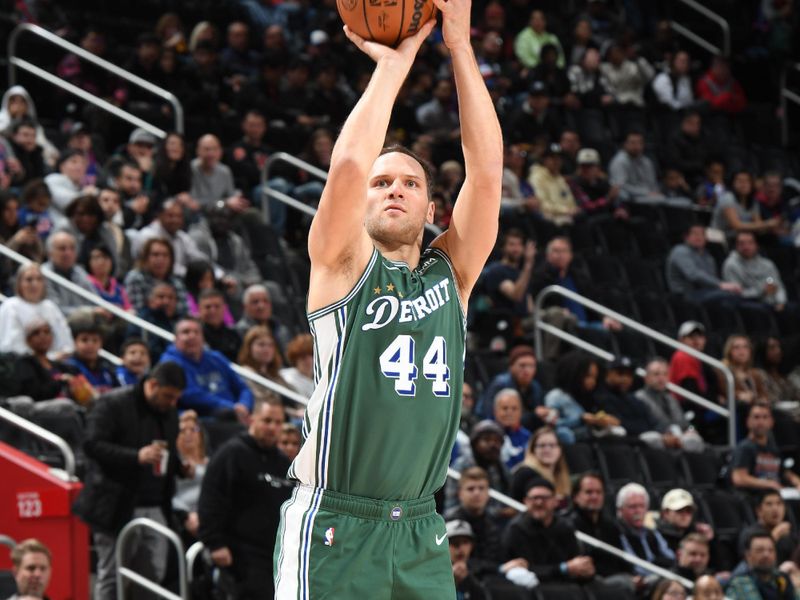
398, 205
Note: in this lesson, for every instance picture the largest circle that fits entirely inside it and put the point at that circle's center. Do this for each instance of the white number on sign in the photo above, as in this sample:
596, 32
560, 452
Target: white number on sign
398, 363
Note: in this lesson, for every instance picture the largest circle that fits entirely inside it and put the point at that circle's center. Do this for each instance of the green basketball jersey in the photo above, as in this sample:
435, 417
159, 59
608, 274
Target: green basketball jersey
388, 362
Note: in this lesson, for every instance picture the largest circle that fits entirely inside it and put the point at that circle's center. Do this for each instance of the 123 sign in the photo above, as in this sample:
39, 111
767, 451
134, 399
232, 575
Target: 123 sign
29, 505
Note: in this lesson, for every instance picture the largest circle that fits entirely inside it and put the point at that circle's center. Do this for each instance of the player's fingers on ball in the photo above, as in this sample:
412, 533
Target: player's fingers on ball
440, 4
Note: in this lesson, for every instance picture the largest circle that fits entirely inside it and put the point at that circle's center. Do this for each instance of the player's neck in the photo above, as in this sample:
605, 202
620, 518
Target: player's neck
406, 253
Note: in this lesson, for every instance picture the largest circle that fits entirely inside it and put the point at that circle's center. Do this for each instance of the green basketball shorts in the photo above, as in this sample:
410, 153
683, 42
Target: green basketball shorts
333, 546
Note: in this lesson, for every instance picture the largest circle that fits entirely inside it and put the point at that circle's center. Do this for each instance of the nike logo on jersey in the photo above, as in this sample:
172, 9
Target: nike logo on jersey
385, 309
439, 540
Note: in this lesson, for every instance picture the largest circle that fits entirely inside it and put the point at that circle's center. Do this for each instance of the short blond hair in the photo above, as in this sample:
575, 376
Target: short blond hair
29, 546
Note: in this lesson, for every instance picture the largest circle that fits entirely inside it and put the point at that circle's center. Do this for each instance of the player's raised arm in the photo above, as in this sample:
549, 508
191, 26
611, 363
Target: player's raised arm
473, 227
337, 239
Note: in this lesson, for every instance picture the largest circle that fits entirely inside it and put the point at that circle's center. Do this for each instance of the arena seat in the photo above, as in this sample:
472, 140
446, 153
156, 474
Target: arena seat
701, 470
661, 468
580, 457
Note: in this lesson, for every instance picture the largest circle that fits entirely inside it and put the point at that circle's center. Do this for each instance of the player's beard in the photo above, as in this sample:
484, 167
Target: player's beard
394, 232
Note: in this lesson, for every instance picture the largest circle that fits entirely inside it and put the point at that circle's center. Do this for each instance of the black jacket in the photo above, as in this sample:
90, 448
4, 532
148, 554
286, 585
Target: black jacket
243, 489
605, 530
546, 275
120, 424
37, 382
545, 548
485, 555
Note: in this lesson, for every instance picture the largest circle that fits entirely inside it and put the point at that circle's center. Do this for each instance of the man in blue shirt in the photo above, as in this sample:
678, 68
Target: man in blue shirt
212, 387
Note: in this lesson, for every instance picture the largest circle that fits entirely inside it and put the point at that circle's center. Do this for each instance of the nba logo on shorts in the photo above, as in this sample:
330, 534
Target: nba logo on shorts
329, 536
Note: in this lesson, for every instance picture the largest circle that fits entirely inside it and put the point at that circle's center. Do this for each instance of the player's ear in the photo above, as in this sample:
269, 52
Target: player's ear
431, 212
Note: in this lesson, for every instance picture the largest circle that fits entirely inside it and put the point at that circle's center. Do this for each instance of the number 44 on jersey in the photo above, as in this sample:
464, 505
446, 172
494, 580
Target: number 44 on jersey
398, 363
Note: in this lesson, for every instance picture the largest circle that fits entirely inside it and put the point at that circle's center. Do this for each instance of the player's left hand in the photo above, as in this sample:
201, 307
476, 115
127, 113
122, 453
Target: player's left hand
455, 22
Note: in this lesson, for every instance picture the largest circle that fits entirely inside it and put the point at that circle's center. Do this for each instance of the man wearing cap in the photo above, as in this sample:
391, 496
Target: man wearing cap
591, 189
549, 545
635, 416
520, 377
770, 512
533, 119
665, 408
556, 202
677, 518
462, 541
486, 442
141, 149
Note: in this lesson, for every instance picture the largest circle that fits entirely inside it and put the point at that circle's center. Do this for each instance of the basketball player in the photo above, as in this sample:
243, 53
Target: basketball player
388, 324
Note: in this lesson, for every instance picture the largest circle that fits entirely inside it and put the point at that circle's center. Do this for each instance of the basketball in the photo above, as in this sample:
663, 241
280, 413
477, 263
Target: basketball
385, 21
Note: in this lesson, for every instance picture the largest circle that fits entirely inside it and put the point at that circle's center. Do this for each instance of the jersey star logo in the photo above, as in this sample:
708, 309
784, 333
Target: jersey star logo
377, 290
390, 287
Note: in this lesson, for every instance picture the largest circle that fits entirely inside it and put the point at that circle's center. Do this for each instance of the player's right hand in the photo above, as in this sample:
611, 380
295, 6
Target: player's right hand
404, 53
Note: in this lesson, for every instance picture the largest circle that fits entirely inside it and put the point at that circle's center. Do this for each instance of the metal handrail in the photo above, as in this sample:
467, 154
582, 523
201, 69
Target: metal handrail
8, 541
711, 15
191, 555
540, 326
293, 202
146, 325
126, 573
590, 540
47, 436
787, 94
14, 61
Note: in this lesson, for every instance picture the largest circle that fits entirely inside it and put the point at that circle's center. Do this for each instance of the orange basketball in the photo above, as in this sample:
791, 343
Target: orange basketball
385, 21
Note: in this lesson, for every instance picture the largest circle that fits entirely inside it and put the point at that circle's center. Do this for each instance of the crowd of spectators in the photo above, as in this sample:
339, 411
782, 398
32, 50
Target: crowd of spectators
637, 173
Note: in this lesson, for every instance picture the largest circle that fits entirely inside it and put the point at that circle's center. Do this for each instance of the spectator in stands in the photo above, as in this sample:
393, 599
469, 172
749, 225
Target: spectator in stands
88, 226
529, 42
155, 265
212, 387
687, 149
692, 554
719, 89
674, 188
712, 186
242, 492
31, 566
507, 281
218, 335
517, 198
667, 588
168, 225
633, 502
248, 156
79, 138
28, 305
549, 545
668, 414
486, 442
593, 193
291, 440
770, 359
677, 519
570, 142
17, 105
126, 178
673, 88
257, 305
237, 58
519, 376
35, 209
633, 172
216, 239
40, 377
756, 462
140, 150
132, 472
758, 277
199, 278
62, 259
191, 447
587, 515
737, 209
88, 336
29, 154
439, 117
579, 416
18, 235
626, 78
508, 414
172, 175
136, 362
761, 580
110, 202
208, 93
212, 181
461, 541
587, 86
534, 119
749, 385
260, 355
67, 183
773, 200
161, 310
692, 272
556, 202
472, 508
581, 41
770, 512
553, 76
300, 355
543, 459
634, 415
